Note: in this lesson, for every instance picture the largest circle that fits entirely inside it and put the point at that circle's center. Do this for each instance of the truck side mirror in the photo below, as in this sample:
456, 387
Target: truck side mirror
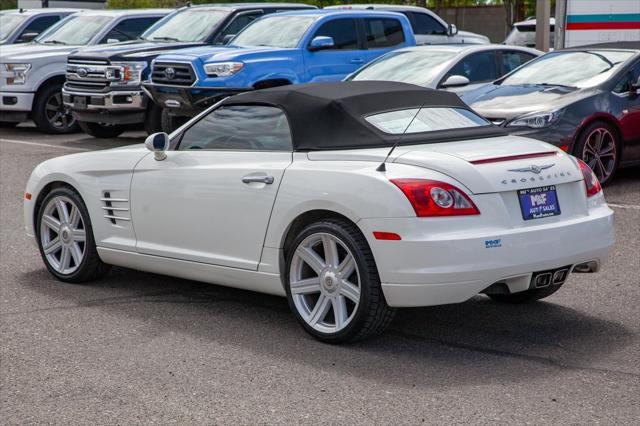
452, 30
27, 37
321, 42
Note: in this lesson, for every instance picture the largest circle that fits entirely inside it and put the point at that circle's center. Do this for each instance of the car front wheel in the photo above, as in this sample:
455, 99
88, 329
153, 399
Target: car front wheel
599, 147
65, 238
332, 283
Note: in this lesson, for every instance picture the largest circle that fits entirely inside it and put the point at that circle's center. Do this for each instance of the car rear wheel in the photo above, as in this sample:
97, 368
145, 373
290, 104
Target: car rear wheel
50, 114
65, 238
332, 283
100, 130
526, 296
599, 146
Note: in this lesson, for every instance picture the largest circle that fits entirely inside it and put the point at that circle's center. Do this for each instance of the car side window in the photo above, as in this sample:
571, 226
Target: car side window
343, 32
477, 67
238, 23
38, 25
383, 32
512, 60
240, 128
630, 77
424, 24
129, 29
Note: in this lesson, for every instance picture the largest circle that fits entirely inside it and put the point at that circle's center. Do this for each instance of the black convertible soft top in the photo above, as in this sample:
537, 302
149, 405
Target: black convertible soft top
326, 116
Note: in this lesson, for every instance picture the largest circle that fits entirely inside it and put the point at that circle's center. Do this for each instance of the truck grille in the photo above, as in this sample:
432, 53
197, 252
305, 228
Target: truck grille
173, 73
87, 75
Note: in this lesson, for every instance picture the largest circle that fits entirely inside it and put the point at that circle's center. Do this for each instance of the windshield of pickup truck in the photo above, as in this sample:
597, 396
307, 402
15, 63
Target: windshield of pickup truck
78, 31
8, 23
570, 68
189, 25
274, 31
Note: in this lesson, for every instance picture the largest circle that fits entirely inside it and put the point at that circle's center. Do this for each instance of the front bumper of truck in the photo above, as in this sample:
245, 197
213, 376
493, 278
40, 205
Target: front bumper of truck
114, 107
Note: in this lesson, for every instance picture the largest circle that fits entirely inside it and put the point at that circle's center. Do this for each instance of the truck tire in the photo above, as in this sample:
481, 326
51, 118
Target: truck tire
153, 119
101, 131
169, 122
50, 114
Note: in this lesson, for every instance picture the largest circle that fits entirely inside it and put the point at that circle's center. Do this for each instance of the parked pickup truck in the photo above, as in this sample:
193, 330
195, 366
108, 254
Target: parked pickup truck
32, 74
103, 83
288, 48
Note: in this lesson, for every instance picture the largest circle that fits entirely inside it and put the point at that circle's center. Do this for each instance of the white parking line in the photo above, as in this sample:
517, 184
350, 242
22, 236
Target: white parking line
624, 206
70, 148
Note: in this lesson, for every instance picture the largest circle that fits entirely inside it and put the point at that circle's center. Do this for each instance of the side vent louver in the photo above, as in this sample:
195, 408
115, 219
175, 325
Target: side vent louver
115, 208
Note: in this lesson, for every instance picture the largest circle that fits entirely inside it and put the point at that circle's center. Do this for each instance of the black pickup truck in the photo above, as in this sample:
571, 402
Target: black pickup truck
103, 87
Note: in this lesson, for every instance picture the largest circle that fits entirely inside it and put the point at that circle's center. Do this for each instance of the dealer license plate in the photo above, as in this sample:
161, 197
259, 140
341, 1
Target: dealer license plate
537, 203
80, 102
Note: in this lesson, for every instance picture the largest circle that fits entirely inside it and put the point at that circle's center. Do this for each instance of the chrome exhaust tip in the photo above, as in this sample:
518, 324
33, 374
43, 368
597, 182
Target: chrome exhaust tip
587, 267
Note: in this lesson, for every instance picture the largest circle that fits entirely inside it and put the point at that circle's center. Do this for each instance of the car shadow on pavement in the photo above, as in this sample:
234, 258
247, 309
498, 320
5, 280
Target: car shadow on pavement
475, 342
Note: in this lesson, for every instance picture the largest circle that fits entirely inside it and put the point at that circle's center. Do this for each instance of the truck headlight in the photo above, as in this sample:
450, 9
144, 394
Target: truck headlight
536, 120
223, 69
17, 73
125, 73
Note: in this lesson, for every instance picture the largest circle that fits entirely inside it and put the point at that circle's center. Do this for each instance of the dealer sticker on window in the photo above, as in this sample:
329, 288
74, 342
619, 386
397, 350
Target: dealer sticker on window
537, 203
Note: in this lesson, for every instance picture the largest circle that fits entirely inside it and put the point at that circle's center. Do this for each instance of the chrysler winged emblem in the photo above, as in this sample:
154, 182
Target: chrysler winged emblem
534, 168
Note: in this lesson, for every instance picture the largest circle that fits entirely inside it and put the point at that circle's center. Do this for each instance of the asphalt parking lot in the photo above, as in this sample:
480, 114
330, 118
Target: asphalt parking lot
142, 348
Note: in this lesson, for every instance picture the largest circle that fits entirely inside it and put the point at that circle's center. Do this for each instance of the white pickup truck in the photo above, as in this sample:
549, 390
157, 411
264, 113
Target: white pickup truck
32, 74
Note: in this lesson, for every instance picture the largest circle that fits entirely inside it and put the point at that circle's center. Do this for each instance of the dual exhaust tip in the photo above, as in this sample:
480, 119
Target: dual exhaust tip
559, 276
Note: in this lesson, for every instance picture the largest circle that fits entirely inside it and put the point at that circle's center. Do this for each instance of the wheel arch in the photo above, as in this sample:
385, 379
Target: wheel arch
42, 194
54, 79
272, 82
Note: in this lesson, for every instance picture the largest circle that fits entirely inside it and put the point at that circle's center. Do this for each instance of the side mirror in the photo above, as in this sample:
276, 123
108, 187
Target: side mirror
27, 37
455, 81
112, 40
452, 30
158, 143
321, 42
635, 87
227, 39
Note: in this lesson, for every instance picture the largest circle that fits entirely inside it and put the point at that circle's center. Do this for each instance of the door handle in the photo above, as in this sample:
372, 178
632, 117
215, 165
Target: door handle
357, 61
258, 178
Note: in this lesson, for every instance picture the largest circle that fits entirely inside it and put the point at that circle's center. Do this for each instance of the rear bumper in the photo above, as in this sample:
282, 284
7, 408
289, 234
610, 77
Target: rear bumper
434, 268
187, 101
116, 107
16, 101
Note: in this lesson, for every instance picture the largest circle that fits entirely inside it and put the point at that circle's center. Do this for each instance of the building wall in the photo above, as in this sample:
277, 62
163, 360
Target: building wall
486, 20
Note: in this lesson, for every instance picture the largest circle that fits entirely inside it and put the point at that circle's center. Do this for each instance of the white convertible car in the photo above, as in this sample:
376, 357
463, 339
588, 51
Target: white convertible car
297, 191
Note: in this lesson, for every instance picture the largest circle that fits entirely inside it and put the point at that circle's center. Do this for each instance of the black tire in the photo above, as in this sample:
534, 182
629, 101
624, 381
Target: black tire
601, 167
8, 124
170, 122
372, 314
526, 296
91, 267
49, 97
153, 119
101, 131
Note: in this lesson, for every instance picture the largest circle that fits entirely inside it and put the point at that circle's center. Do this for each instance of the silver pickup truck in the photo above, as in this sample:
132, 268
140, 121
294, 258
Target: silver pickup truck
32, 74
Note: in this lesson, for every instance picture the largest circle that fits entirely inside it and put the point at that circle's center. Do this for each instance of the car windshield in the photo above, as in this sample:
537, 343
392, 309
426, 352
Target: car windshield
415, 67
79, 30
274, 31
188, 25
8, 23
570, 68
418, 120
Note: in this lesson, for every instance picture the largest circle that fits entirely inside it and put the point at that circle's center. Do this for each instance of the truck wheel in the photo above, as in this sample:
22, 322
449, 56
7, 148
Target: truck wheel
50, 114
169, 122
153, 119
101, 131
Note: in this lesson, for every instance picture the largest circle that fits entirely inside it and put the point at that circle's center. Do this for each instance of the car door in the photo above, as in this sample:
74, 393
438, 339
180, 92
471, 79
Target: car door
480, 68
335, 62
210, 200
382, 35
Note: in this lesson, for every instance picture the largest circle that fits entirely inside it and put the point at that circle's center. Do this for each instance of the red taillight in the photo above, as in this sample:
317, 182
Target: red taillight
591, 182
433, 198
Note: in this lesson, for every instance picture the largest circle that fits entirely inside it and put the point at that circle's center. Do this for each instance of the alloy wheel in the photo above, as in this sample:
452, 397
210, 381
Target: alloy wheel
325, 282
57, 114
63, 235
600, 153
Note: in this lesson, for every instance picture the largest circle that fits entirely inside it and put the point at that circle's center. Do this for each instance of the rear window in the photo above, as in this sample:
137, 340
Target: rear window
419, 120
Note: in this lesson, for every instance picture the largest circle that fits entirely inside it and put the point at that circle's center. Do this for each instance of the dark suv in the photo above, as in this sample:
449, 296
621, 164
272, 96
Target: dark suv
103, 87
